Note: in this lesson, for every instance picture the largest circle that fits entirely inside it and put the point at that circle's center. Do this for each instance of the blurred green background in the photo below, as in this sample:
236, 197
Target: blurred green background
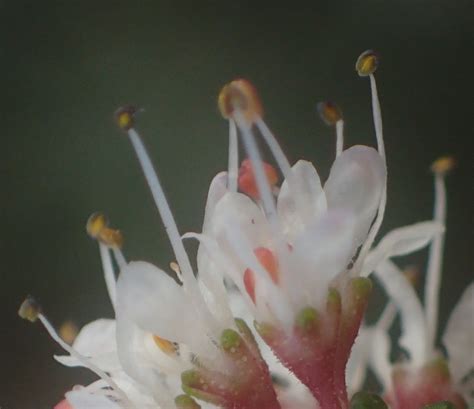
67, 65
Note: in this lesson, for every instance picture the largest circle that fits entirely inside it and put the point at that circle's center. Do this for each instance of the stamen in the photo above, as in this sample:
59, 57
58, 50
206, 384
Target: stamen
332, 116
31, 310
264, 189
240, 95
435, 260
366, 65
233, 157
247, 182
109, 275
189, 281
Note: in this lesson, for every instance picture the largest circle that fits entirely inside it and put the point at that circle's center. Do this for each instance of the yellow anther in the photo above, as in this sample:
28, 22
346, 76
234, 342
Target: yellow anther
175, 267
29, 309
412, 274
95, 224
443, 165
111, 237
329, 112
97, 227
125, 117
240, 95
68, 332
367, 63
166, 346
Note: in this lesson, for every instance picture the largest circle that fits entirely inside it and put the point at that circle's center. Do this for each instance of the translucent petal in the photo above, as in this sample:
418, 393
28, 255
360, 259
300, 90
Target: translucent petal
240, 210
380, 357
96, 341
358, 360
414, 336
356, 183
318, 255
401, 241
312, 199
156, 303
458, 336
82, 399
217, 190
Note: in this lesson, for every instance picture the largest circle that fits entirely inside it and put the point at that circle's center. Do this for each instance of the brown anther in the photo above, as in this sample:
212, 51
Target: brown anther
68, 332
111, 237
443, 165
367, 63
125, 117
329, 112
29, 309
168, 347
240, 95
412, 274
95, 224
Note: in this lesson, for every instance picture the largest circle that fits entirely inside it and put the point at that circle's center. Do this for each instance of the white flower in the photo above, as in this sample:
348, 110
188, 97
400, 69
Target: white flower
423, 378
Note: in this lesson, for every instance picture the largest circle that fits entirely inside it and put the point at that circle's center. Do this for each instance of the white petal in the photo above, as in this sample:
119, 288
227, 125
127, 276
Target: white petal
356, 183
217, 190
414, 337
358, 361
240, 210
156, 303
318, 255
458, 336
82, 399
96, 341
380, 357
310, 195
401, 241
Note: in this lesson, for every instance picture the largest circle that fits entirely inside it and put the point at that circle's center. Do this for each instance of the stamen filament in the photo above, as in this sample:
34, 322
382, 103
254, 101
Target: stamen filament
377, 115
233, 169
339, 137
163, 207
109, 274
119, 257
189, 280
435, 260
84, 360
257, 164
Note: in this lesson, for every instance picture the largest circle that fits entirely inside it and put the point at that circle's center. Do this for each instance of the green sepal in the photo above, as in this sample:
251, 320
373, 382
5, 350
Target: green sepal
192, 382
245, 331
186, 402
366, 400
440, 405
230, 340
361, 288
307, 319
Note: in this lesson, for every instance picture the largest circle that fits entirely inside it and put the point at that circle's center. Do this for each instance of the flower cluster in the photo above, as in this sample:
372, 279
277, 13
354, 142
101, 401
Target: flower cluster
272, 316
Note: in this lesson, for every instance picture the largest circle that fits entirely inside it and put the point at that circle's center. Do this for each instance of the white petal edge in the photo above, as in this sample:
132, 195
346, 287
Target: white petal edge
356, 182
458, 336
402, 293
401, 241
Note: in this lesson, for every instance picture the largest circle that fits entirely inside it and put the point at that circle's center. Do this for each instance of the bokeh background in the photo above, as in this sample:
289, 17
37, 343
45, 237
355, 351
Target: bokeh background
67, 65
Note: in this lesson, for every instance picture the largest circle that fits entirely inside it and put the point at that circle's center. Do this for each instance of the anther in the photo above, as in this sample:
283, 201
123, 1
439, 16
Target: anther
329, 112
97, 227
30, 309
95, 224
125, 117
68, 332
443, 165
240, 95
247, 182
367, 63
168, 347
269, 262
